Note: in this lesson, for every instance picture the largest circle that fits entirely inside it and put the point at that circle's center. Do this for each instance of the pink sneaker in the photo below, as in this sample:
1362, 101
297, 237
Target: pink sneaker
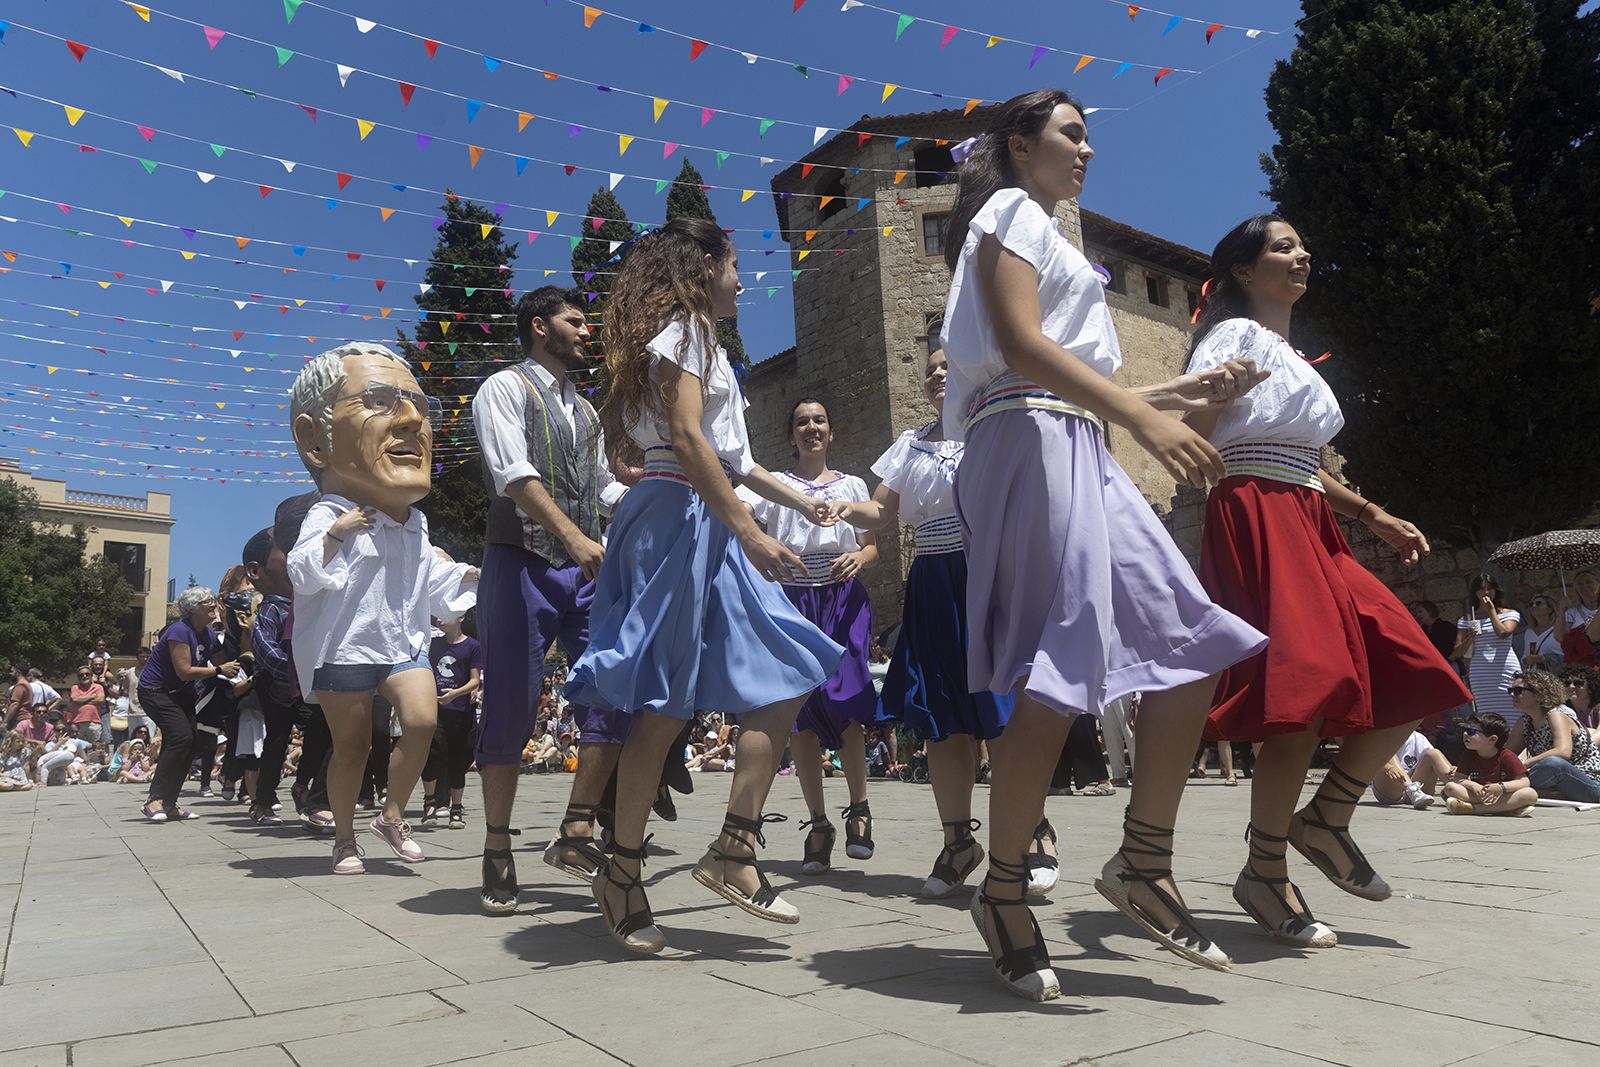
398, 837
347, 858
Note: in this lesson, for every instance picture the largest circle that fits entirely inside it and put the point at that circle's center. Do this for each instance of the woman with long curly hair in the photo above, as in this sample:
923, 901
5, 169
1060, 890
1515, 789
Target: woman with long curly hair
686, 611
1345, 658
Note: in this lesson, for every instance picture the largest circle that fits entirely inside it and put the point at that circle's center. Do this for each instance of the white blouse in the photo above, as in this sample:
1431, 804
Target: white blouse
723, 418
921, 469
372, 602
796, 532
1072, 305
1293, 407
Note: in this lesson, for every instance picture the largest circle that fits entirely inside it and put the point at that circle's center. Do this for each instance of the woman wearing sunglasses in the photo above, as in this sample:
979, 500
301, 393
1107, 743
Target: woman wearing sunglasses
1563, 760
1542, 646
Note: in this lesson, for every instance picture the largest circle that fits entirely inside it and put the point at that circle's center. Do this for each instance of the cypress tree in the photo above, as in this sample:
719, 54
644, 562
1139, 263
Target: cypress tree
1439, 159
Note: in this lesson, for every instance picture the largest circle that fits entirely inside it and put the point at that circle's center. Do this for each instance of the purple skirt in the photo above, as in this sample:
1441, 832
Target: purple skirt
1072, 582
842, 611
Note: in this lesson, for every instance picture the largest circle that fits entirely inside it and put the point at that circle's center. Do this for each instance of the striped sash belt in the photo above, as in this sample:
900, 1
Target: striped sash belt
660, 464
1294, 464
1012, 392
938, 536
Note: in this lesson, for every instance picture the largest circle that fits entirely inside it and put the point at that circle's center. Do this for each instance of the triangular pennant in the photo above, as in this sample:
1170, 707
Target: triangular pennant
342, 178
523, 118
431, 46
522, 164
78, 50
696, 46
365, 25
1172, 23
140, 10
265, 189
1210, 30
218, 149
25, 136
949, 32
668, 148
73, 114
485, 229
309, 110
991, 42
365, 127
888, 91
149, 165
903, 24
589, 15
289, 8
213, 35
550, 217
385, 212
406, 89
1162, 73
661, 183
1038, 53
766, 124
474, 153
1083, 61
344, 74
722, 157
473, 107
175, 75
284, 55
491, 63
1121, 68
658, 106
705, 116
818, 134
844, 83
623, 141
205, 179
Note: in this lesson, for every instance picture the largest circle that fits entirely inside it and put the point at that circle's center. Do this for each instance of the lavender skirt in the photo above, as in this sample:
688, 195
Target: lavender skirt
842, 611
1072, 583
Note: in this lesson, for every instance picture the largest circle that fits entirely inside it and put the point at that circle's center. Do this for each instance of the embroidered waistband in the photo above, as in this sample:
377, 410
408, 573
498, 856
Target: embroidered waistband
1012, 392
661, 464
1294, 464
819, 569
937, 536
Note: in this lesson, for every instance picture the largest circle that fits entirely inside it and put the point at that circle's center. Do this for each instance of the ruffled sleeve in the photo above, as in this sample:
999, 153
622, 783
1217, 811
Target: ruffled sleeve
1018, 223
893, 465
306, 569
1231, 339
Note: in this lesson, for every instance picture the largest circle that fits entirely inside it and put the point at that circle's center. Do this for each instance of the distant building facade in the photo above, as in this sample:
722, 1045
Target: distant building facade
133, 532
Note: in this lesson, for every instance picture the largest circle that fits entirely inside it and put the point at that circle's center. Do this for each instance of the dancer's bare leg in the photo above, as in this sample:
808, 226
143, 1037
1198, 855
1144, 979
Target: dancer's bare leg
416, 702
762, 737
853, 760
638, 775
952, 766
595, 764
1275, 788
1022, 759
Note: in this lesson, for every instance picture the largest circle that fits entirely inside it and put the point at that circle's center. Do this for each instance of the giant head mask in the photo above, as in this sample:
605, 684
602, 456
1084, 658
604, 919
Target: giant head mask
364, 428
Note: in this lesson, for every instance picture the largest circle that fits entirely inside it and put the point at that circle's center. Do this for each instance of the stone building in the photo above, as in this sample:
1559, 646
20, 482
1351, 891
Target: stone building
865, 313
133, 532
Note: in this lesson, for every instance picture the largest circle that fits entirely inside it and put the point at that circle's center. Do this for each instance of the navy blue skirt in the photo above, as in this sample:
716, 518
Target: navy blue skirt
926, 687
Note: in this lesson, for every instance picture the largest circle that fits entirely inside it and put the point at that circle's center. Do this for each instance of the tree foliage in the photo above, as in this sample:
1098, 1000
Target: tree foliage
1439, 159
468, 330
53, 602
592, 271
687, 200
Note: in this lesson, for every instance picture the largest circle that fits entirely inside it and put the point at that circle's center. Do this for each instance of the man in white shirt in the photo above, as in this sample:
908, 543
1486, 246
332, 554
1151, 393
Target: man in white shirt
128, 681
42, 693
549, 483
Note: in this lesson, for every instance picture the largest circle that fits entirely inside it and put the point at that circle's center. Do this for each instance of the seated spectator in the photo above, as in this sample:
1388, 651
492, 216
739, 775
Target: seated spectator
1583, 694
1562, 759
36, 727
43, 694
877, 755
1489, 780
549, 754
136, 764
1411, 774
720, 751
59, 754
16, 764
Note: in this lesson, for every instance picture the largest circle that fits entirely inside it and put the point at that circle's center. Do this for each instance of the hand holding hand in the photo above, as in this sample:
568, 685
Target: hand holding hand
820, 511
846, 567
1215, 388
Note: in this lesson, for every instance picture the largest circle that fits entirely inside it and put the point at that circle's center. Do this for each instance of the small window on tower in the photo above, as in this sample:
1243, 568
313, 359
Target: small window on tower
933, 164
933, 234
1193, 295
835, 189
1155, 287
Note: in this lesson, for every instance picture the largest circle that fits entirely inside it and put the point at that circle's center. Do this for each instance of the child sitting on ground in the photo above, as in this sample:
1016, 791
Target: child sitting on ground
1490, 780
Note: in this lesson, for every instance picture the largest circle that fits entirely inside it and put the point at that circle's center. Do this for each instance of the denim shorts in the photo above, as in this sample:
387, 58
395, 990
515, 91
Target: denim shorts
360, 677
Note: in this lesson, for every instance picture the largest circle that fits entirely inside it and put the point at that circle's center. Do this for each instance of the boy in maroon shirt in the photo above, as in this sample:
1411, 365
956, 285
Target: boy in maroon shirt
1489, 779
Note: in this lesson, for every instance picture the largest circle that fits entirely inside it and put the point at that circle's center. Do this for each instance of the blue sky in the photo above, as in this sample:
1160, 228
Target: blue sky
1180, 161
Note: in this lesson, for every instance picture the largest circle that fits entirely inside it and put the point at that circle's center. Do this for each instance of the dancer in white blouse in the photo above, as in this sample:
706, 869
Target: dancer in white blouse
831, 596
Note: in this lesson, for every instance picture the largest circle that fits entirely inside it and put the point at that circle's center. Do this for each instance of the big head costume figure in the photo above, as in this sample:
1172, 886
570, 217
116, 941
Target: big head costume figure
364, 428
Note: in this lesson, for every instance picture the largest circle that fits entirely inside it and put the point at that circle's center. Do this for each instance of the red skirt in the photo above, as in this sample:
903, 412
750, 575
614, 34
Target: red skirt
1342, 649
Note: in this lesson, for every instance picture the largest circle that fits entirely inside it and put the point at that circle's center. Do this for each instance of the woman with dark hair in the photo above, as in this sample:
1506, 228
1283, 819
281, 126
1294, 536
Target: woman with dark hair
828, 591
686, 614
1583, 693
926, 687
1076, 595
1345, 659
1486, 642
182, 657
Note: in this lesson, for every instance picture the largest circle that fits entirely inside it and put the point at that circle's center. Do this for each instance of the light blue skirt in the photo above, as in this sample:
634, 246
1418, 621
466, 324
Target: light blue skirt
682, 622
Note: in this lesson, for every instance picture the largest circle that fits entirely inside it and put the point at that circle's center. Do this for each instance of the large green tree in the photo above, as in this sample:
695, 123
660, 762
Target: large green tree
468, 330
592, 269
53, 601
687, 200
1439, 159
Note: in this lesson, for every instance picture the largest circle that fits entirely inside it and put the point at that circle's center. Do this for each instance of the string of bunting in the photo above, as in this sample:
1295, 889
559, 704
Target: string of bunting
473, 107
364, 127
1174, 21
424, 287
283, 450
56, 468
950, 32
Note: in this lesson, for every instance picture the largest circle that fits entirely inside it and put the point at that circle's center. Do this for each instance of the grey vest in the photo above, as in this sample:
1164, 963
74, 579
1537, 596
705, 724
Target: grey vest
568, 469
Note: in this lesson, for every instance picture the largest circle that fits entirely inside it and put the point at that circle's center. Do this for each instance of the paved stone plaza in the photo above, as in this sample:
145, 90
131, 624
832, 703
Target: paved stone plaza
214, 942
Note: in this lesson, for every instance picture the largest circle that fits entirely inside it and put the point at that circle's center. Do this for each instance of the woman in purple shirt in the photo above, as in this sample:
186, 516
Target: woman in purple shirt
181, 658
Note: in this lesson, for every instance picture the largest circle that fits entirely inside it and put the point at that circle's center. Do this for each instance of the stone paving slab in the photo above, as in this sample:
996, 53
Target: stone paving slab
219, 942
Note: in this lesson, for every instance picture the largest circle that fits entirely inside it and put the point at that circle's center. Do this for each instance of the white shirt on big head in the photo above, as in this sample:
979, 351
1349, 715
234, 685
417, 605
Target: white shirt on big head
373, 601
921, 469
1292, 407
722, 420
1072, 303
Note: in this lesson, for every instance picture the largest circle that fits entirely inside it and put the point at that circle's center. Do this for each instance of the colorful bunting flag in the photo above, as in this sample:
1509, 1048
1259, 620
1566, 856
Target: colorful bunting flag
213, 35
1162, 73
289, 8
901, 25
1211, 29
695, 48
523, 118
1083, 61
844, 83
888, 91
73, 114
589, 15
406, 89
432, 47
949, 32
474, 153
623, 141
364, 127
473, 107
140, 10
78, 50
284, 55
658, 106
344, 74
